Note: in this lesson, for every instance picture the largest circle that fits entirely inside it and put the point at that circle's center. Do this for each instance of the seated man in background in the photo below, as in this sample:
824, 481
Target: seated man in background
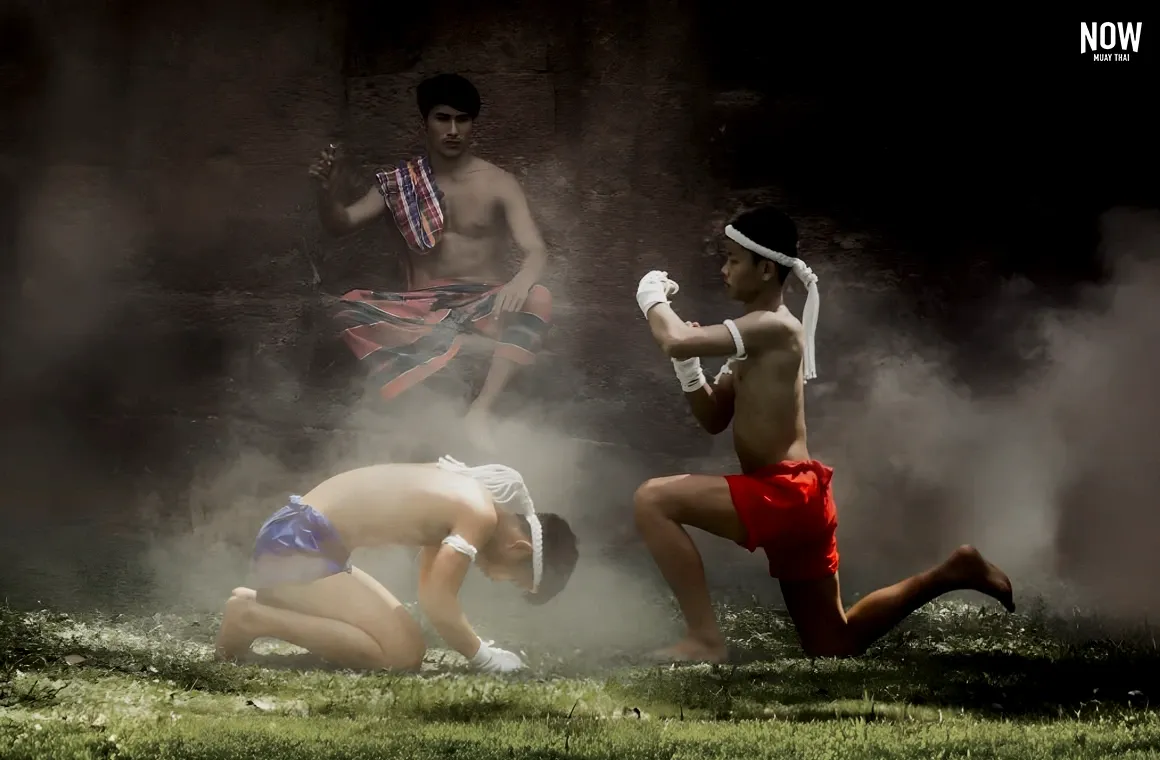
306, 592
455, 212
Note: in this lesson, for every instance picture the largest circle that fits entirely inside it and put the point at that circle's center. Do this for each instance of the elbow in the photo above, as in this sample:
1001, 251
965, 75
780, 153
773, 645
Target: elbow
714, 425
675, 348
337, 226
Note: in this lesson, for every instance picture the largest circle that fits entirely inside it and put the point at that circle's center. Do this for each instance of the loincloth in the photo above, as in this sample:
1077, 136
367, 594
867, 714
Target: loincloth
296, 545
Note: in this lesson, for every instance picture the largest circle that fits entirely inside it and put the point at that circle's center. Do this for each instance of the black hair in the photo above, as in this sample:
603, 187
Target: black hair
770, 227
447, 90
559, 553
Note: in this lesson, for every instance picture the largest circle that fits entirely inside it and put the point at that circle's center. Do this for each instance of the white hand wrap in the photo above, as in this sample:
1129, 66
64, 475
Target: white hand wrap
489, 659
654, 288
689, 373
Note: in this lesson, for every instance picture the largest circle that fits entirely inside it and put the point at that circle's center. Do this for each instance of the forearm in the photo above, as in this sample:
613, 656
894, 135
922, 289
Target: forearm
665, 326
451, 624
703, 403
332, 213
534, 265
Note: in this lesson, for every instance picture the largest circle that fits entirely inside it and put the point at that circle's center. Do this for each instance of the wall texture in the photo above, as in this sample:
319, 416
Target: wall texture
164, 268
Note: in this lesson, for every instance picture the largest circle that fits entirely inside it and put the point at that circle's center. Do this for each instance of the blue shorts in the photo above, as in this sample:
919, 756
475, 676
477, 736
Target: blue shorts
297, 545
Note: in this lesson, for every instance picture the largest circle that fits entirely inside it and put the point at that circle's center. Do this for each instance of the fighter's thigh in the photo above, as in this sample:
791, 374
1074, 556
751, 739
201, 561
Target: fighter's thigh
357, 599
698, 501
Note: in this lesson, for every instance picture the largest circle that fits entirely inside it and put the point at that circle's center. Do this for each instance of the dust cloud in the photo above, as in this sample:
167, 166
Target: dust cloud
227, 501
1051, 475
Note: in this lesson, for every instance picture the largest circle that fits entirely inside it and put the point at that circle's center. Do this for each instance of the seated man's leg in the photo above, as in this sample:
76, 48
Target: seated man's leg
348, 619
400, 338
520, 336
826, 630
663, 507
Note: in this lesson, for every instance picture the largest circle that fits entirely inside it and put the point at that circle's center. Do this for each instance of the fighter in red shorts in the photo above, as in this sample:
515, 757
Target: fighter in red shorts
781, 502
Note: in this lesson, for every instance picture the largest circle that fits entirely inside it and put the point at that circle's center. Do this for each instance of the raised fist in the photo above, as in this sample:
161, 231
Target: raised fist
654, 288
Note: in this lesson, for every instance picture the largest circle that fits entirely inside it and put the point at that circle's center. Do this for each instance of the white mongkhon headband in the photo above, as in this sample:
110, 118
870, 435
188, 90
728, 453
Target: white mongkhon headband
808, 278
505, 484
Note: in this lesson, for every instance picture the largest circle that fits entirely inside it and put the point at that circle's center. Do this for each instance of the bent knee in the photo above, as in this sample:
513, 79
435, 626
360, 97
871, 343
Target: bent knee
657, 499
409, 660
403, 650
650, 498
539, 302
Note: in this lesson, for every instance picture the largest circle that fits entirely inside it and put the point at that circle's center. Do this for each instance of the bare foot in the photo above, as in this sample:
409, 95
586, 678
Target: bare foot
689, 649
970, 570
233, 639
477, 425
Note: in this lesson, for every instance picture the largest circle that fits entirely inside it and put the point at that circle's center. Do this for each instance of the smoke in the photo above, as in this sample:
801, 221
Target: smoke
1051, 476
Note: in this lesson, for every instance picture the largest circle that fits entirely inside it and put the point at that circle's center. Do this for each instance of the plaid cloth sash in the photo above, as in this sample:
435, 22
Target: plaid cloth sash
415, 202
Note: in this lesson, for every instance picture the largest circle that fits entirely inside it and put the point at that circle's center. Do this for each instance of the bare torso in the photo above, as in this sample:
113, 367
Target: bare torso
475, 234
769, 404
395, 504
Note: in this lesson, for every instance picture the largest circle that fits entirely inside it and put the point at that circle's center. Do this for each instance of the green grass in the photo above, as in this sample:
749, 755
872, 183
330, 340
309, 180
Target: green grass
955, 681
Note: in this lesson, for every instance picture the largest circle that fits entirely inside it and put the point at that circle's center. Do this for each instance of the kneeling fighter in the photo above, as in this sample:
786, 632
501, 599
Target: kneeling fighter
781, 501
306, 592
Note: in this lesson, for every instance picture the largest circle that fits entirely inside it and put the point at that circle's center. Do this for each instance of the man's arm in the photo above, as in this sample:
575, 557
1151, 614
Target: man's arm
713, 405
682, 341
524, 231
341, 220
441, 574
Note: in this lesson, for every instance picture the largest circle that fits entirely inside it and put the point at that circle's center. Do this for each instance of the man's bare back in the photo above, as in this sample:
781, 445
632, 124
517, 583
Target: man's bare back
396, 504
769, 419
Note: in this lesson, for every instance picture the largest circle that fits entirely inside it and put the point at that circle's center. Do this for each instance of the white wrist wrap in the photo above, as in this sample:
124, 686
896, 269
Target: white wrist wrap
689, 373
483, 654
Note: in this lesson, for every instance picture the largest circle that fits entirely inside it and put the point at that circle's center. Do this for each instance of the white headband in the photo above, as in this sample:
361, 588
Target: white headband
505, 484
808, 278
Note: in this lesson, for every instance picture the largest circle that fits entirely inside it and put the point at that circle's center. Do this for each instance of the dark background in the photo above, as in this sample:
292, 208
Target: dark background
158, 237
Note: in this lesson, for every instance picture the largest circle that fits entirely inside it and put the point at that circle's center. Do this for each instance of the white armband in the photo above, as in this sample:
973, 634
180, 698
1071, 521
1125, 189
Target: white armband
459, 544
737, 342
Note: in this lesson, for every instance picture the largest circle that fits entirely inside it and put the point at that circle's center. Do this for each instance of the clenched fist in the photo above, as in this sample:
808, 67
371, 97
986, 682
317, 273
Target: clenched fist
654, 288
322, 170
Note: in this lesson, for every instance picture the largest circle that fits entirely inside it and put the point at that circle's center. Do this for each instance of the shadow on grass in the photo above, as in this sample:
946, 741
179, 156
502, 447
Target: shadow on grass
996, 683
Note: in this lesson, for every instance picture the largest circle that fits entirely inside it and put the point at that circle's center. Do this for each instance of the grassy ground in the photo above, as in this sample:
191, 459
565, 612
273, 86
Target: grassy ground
957, 681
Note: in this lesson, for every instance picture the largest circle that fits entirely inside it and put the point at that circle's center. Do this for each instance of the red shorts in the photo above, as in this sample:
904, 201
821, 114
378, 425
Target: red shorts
788, 510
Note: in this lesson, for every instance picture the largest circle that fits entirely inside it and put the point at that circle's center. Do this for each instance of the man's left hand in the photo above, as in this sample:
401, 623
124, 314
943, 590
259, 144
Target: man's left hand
654, 288
511, 297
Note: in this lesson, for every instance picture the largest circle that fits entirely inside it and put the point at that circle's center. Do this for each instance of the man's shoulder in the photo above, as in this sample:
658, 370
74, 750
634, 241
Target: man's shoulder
779, 322
492, 173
